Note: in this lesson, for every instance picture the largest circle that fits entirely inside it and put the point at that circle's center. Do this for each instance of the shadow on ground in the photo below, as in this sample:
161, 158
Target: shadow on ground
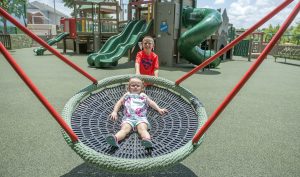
87, 170
292, 64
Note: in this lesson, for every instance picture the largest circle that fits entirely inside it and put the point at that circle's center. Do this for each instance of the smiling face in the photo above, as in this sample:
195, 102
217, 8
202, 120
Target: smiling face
135, 85
148, 44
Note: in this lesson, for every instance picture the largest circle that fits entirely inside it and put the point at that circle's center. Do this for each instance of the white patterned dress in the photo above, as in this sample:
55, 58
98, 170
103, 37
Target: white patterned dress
135, 109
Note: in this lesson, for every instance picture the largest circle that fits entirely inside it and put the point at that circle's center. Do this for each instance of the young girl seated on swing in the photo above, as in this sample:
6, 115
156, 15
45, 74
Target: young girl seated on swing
135, 103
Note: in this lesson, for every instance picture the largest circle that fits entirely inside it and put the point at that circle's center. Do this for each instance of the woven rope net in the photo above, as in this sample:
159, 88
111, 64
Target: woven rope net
87, 113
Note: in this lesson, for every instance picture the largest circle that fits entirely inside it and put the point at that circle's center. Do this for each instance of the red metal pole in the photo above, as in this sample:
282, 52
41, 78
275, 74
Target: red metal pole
44, 44
37, 93
235, 41
248, 74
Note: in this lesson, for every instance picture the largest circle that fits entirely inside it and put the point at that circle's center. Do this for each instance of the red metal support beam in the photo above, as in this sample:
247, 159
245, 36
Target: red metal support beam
247, 75
37, 93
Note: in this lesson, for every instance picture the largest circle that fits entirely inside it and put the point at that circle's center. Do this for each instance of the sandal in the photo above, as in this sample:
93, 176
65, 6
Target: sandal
112, 140
147, 143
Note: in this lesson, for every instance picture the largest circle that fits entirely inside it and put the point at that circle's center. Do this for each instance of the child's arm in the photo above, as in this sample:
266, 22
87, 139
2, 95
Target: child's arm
156, 107
137, 69
156, 65
156, 72
114, 114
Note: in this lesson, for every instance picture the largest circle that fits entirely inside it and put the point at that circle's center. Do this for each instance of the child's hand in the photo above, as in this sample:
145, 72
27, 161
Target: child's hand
114, 115
162, 111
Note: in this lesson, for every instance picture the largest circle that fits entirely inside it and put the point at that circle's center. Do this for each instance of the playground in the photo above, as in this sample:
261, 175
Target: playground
256, 135
254, 94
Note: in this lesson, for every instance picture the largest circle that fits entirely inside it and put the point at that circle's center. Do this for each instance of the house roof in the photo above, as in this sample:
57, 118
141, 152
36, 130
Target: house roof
34, 11
44, 7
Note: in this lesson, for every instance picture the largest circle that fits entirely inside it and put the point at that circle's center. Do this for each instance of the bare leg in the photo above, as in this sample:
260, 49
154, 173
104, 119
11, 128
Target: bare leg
146, 138
125, 129
142, 129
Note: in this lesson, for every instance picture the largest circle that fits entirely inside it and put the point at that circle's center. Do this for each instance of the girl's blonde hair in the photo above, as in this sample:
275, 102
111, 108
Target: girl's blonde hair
134, 77
149, 38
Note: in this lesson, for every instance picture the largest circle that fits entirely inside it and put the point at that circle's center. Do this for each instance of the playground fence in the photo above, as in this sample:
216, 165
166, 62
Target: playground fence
242, 48
5, 39
286, 52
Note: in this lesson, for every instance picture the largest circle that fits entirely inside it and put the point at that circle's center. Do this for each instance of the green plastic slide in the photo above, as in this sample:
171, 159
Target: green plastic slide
201, 23
59, 37
116, 46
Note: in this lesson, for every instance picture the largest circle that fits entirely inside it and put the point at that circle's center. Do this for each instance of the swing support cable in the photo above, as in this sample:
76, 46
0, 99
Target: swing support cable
248, 74
37, 93
44, 44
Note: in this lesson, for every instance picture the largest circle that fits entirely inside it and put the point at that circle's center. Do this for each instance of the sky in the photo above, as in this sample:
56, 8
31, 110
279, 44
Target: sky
241, 13
245, 13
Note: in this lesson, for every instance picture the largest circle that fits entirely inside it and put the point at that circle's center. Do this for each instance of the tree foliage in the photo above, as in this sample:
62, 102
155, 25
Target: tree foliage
296, 34
291, 35
15, 7
269, 32
69, 3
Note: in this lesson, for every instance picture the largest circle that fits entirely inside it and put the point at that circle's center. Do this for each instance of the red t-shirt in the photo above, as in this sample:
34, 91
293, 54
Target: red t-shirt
148, 63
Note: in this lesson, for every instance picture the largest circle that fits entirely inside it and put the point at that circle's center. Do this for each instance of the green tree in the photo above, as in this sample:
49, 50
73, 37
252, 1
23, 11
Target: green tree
15, 7
269, 32
70, 3
296, 34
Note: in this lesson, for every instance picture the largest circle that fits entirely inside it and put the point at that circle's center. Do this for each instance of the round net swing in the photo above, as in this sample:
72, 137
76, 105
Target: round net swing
87, 114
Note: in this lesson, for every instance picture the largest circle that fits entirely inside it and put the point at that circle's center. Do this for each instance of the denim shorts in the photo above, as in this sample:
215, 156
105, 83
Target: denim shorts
134, 121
